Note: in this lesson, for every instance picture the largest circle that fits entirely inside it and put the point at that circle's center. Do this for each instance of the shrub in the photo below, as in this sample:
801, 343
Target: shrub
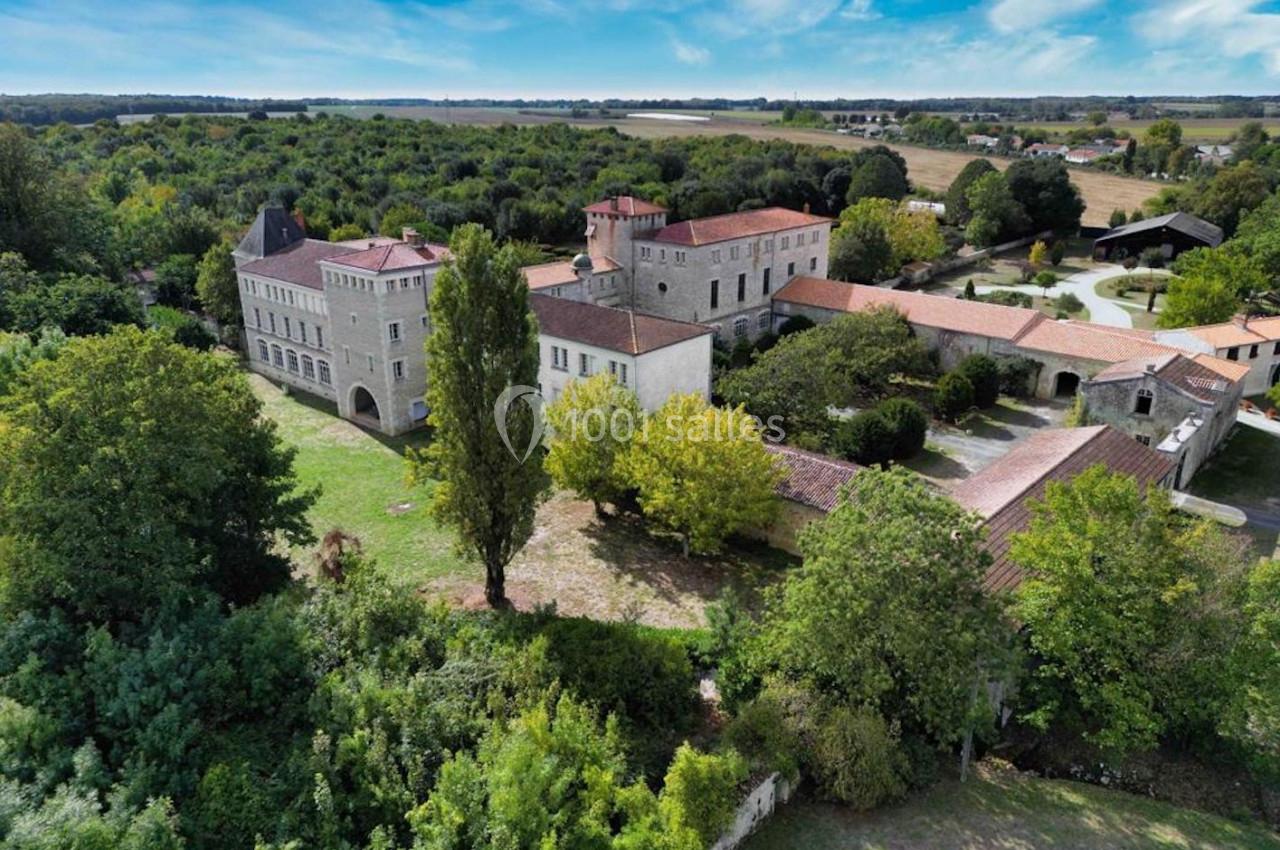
763, 733
1007, 297
909, 424
765, 341
1070, 303
1058, 251
795, 324
181, 328
741, 355
866, 438
984, 375
952, 397
856, 758
1152, 258
1015, 375
1046, 280
969, 292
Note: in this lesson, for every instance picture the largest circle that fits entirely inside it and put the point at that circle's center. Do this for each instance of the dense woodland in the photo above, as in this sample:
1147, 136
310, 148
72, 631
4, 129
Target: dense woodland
168, 679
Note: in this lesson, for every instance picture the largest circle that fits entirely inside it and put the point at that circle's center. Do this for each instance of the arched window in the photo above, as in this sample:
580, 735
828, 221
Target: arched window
762, 321
308, 368
292, 357
263, 354
740, 326
1143, 405
322, 367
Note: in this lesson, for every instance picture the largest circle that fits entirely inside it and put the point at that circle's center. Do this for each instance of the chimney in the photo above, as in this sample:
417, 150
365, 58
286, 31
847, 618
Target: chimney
1150, 367
1241, 320
300, 219
806, 207
613, 203
411, 236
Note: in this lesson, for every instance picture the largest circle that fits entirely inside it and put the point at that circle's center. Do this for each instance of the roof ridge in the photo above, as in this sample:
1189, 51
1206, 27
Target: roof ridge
1060, 460
635, 338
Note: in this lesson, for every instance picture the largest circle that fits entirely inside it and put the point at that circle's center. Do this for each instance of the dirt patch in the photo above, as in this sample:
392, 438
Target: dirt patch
400, 508
616, 569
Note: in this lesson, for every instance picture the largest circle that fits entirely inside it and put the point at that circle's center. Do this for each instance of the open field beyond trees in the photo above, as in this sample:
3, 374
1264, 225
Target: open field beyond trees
612, 569
1001, 809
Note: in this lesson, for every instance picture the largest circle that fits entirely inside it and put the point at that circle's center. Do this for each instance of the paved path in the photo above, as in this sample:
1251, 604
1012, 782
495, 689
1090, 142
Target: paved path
1103, 311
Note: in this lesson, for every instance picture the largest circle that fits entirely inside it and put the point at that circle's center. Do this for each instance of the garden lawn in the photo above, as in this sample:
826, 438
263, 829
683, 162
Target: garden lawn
611, 569
1245, 473
1001, 809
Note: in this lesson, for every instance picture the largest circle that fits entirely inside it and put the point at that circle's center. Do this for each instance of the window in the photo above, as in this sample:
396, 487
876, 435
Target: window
1253, 352
762, 321
1233, 353
1276, 350
715, 255
319, 337
397, 369
262, 352
786, 242
353, 318
257, 317
302, 330
584, 365
271, 319
393, 332
322, 367
740, 326
425, 319
288, 328
662, 255
1143, 405
370, 356
290, 292
680, 255
813, 264
768, 246
560, 358
1142, 438
715, 294
814, 237
733, 252
662, 287
619, 371
346, 354
293, 360
277, 356
767, 272
742, 287
791, 270
308, 368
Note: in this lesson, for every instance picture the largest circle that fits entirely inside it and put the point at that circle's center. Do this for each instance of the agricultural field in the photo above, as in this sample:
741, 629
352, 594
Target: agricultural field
1194, 130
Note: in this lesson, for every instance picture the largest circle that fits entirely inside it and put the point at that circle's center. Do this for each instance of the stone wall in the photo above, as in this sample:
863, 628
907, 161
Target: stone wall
754, 810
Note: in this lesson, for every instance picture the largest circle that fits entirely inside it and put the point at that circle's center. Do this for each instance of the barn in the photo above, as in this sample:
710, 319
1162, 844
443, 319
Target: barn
1171, 234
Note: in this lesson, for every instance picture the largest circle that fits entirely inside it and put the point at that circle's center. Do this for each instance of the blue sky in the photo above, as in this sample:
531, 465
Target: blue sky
629, 48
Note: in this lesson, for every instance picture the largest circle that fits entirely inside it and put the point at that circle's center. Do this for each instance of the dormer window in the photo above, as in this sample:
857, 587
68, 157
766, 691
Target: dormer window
1142, 406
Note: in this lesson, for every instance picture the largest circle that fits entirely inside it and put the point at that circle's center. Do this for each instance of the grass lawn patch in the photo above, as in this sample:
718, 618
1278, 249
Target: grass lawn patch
613, 569
1135, 284
1246, 473
1001, 809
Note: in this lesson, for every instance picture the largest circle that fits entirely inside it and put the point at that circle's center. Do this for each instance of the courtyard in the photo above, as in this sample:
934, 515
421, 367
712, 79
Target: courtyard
612, 569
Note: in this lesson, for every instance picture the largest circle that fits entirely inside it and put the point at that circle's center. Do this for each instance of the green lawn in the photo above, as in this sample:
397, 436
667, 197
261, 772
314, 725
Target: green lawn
1005, 810
363, 489
1246, 473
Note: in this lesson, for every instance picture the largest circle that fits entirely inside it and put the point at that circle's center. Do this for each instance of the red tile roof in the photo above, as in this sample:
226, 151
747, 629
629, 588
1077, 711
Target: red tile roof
299, 263
625, 205
392, 257
1231, 334
1001, 491
953, 314
738, 225
560, 272
1177, 370
624, 331
811, 479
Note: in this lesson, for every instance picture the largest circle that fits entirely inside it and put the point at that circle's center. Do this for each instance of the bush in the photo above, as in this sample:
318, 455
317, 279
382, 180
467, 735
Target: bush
984, 376
909, 424
1007, 298
764, 342
1015, 375
856, 758
1068, 302
952, 397
794, 325
866, 438
741, 355
764, 735
1058, 251
182, 328
969, 292
1152, 258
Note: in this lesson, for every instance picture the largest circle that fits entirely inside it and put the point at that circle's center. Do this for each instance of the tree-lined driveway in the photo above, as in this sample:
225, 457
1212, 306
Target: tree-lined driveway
1102, 310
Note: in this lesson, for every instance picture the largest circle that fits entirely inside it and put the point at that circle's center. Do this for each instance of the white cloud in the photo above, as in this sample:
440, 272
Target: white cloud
690, 54
1016, 15
768, 17
859, 10
1226, 27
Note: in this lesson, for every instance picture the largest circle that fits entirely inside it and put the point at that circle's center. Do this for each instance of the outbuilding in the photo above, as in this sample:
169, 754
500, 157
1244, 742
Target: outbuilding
1171, 234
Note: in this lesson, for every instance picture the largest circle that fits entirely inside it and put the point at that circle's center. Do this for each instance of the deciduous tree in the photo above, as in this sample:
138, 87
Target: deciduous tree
216, 285
592, 424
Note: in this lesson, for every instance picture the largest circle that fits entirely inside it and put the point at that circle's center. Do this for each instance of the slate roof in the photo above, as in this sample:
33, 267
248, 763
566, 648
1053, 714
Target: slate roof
392, 257
1001, 491
299, 263
811, 479
627, 206
273, 230
618, 330
1196, 228
736, 225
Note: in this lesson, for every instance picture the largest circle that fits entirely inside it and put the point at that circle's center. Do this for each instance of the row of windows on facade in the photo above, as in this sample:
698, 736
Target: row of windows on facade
742, 324
742, 283
365, 284
281, 358
282, 295
680, 257
1234, 353
288, 327
586, 364
397, 366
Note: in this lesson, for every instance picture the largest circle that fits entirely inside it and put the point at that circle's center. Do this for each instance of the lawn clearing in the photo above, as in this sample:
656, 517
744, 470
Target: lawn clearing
1245, 473
609, 569
1002, 809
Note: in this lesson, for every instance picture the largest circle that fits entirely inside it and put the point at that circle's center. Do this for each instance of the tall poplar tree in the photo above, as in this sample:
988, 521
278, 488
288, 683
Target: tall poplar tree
483, 341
